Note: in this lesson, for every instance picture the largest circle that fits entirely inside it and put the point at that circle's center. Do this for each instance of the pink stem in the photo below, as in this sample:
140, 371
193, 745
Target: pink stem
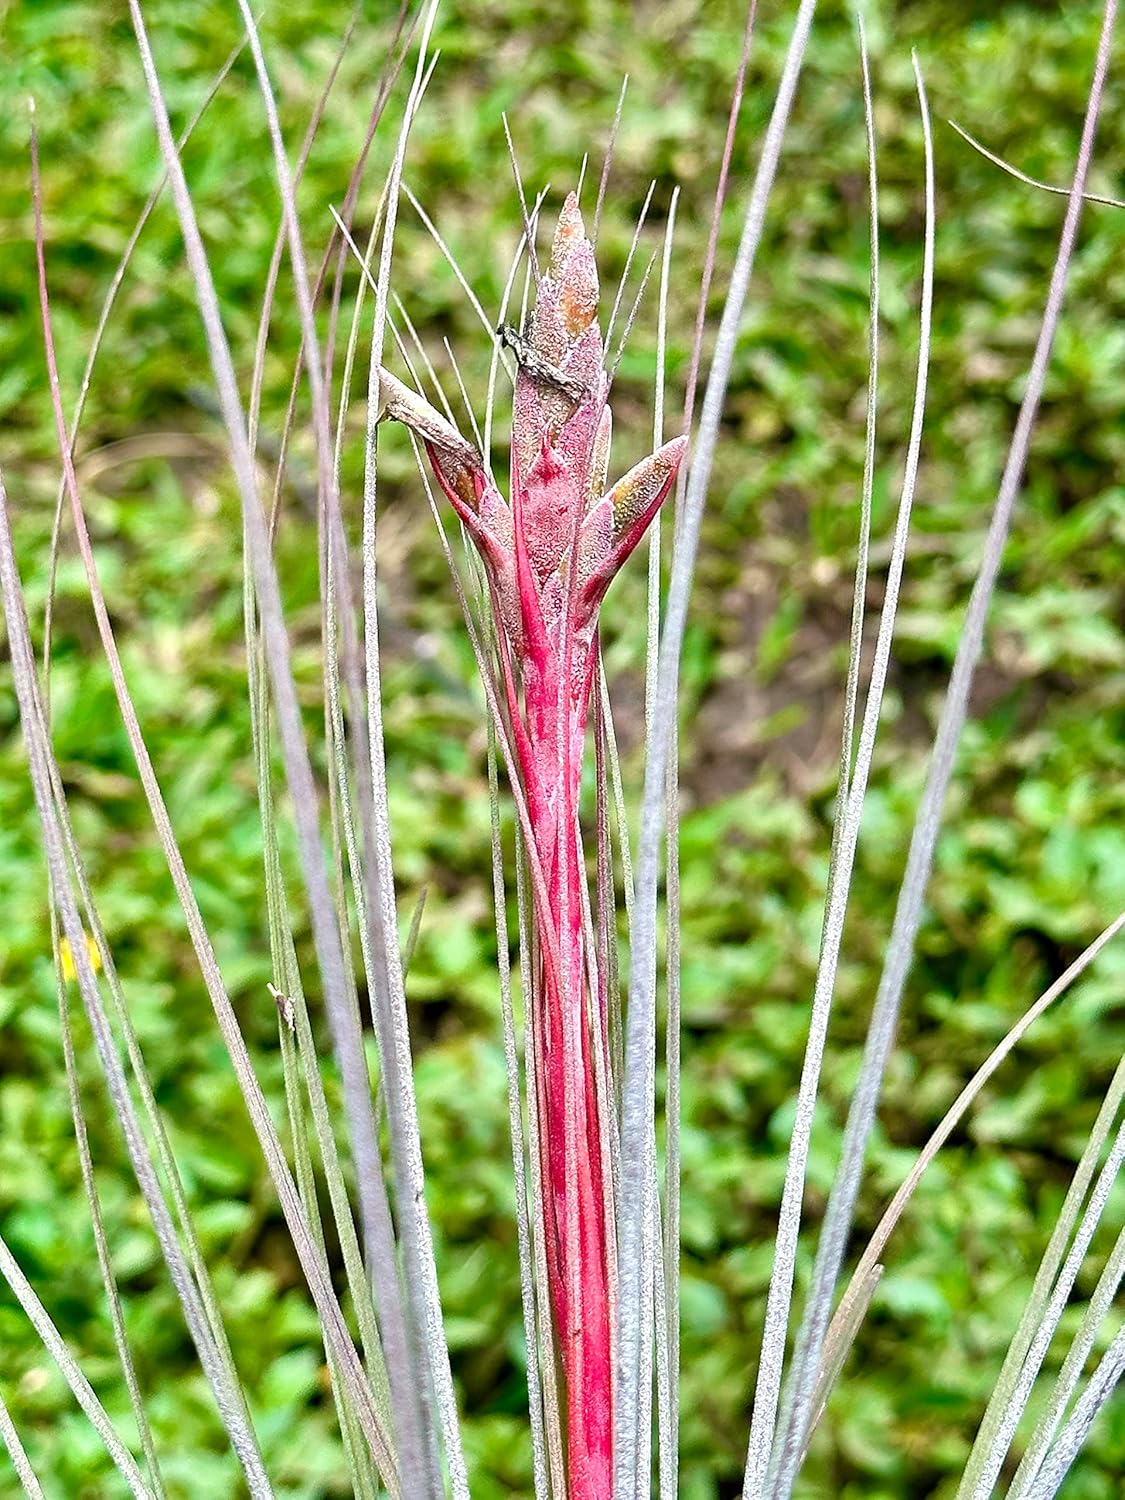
571, 1138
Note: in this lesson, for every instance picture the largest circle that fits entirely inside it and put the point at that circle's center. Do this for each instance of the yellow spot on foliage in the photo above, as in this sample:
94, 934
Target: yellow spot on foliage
66, 957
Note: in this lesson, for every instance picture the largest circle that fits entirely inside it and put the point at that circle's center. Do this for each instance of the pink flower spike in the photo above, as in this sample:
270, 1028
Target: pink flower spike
550, 556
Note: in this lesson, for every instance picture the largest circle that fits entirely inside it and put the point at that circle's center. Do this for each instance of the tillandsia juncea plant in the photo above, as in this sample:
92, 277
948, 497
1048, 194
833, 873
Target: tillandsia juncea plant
549, 555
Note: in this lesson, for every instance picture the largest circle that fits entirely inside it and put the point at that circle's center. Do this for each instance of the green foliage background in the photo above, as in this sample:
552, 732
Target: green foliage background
1032, 863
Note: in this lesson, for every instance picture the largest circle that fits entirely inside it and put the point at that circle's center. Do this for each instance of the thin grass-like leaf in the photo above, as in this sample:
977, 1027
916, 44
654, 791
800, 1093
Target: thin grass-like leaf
1044, 1280
607, 163
635, 1303
394, 1034
1100, 1388
997, 1449
455, 266
461, 386
628, 266
859, 595
220, 1375
1066, 1383
772, 1434
422, 354
422, 1304
668, 1260
581, 175
228, 1397
297, 1025
835, 1355
654, 1271
71, 1371
93, 1205
515, 1126
495, 358
121, 1019
277, 255
292, 1006
717, 202
614, 364
401, 42
1044, 187
528, 226
355, 1452
387, 80
342, 803
18, 1454
844, 1317
358, 1284
295, 753
415, 929
861, 1114
108, 303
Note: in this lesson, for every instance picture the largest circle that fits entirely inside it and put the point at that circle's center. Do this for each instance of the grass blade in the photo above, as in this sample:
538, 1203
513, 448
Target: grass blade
121, 1018
455, 266
273, 271
1013, 1410
844, 1317
1044, 187
1044, 1280
631, 253
231, 1407
18, 1454
294, 1012
1068, 1377
635, 1305
355, 1453
859, 596
519, 1148
667, 1262
72, 1374
115, 283
1110, 1369
295, 751
852, 785
908, 912
836, 1353
93, 1204
713, 237
603, 181
220, 1376
394, 1040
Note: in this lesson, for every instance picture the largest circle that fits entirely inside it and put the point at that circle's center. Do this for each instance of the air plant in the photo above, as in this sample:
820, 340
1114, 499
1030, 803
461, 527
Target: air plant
549, 556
